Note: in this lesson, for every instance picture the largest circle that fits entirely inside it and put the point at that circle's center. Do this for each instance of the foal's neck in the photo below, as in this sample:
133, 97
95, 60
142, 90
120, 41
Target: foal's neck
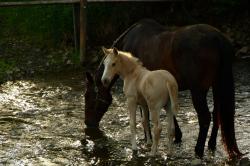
130, 69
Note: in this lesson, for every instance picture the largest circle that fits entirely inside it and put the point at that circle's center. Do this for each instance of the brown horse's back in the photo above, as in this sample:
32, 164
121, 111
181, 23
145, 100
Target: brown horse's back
197, 47
196, 52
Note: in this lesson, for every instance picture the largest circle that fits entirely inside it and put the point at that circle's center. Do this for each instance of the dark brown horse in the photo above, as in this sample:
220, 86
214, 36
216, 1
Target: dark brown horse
199, 56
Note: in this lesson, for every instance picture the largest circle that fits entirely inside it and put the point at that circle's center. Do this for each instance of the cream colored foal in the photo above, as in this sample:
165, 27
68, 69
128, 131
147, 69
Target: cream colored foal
149, 89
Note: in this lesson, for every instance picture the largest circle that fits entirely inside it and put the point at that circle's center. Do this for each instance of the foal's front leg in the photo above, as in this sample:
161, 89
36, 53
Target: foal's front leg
132, 106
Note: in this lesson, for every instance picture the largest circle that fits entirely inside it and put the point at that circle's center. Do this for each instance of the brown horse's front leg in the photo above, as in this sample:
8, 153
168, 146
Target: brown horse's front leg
204, 118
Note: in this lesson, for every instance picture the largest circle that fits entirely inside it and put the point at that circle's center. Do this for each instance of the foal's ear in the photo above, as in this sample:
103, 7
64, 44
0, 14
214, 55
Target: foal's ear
89, 77
105, 50
115, 51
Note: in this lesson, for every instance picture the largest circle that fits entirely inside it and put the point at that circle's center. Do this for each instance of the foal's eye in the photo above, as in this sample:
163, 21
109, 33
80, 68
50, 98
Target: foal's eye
113, 64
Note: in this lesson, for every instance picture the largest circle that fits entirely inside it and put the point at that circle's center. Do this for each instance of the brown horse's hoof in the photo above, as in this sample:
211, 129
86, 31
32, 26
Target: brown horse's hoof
199, 152
244, 161
177, 141
212, 145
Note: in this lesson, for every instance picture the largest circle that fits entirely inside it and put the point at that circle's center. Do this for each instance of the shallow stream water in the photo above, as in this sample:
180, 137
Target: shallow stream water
42, 123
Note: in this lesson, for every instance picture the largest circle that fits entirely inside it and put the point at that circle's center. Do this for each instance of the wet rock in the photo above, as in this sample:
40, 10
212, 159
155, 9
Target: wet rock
196, 162
242, 51
61, 161
114, 122
77, 144
69, 62
9, 72
45, 161
245, 161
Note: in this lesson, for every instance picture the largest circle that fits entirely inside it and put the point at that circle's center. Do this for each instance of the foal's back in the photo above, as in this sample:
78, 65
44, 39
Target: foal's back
155, 85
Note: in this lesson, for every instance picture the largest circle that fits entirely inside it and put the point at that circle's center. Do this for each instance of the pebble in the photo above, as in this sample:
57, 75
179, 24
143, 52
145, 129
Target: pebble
61, 161
196, 162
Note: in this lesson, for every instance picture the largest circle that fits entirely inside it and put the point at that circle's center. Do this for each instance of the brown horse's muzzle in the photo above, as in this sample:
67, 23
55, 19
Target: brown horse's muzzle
105, 82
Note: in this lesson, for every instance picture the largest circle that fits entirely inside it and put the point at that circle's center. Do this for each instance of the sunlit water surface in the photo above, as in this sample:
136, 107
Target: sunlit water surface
42, 123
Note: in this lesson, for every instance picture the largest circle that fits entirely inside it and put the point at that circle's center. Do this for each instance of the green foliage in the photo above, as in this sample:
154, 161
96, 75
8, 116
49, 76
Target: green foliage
41, 37
106, 21
46, 25
5, 67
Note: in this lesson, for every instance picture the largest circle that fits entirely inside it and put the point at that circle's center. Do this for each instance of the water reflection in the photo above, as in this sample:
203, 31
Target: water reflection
95, 147
41, 123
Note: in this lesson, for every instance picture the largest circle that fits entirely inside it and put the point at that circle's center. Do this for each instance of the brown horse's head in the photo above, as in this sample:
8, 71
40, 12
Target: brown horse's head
97, 100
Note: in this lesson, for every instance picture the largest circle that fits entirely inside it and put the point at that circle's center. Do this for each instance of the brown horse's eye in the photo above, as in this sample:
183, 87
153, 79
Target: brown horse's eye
113, 64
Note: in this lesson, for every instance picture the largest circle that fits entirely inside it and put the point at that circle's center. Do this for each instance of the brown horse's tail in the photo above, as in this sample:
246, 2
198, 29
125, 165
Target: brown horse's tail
225, 90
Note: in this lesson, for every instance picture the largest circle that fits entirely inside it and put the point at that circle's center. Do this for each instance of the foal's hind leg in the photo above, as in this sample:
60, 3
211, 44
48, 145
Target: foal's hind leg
156, 129
178, 133
204, 117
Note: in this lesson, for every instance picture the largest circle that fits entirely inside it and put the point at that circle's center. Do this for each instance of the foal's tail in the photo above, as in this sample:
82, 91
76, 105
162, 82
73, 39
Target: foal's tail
173, 95
224, 90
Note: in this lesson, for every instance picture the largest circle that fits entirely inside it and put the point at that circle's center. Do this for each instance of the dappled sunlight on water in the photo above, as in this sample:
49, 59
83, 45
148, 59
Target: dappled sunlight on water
42, 123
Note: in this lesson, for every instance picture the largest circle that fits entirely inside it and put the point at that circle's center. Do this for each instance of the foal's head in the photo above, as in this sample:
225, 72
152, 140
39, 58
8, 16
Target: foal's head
111, 65
117, 63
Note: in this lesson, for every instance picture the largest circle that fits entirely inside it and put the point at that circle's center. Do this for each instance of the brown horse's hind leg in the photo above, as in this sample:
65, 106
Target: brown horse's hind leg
178, 133
146, 123
212, 140
204, 117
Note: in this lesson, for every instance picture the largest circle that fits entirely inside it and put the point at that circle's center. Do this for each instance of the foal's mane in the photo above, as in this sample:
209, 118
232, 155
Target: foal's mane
127, 56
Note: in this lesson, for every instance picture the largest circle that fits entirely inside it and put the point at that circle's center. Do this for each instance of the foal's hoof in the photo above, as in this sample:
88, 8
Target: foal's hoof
149, 142
134, 148
151, 154
135, 153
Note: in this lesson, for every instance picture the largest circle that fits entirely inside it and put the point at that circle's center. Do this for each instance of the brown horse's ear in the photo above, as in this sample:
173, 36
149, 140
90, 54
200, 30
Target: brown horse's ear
115, 51
89, 77
105, 50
